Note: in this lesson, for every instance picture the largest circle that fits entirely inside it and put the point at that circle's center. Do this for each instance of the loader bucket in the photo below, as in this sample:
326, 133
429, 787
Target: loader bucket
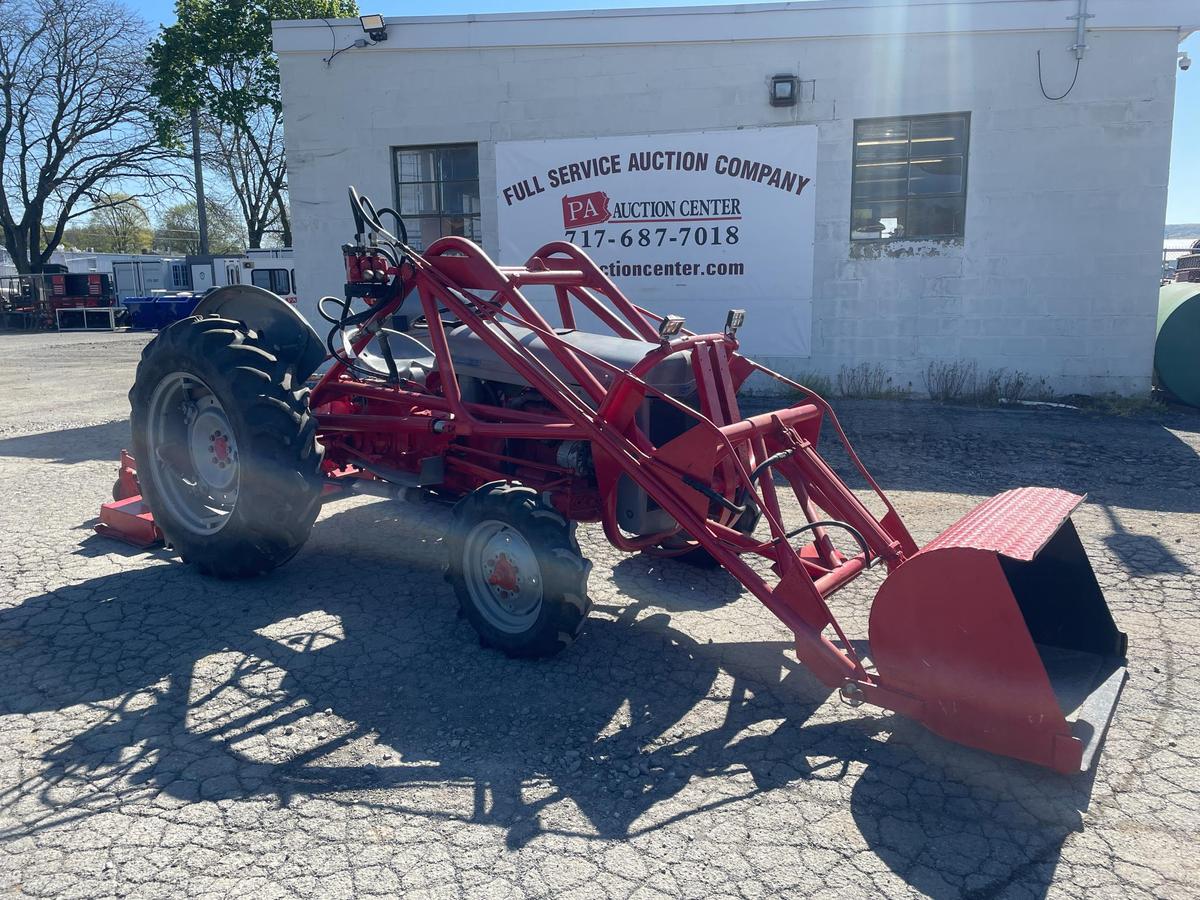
1000, 633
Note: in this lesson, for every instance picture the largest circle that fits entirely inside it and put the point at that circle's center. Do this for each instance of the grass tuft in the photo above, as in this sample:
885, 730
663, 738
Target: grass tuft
868, 381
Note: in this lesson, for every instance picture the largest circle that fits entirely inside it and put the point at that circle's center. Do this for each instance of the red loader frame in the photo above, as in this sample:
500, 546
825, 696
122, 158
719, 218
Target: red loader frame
995, 635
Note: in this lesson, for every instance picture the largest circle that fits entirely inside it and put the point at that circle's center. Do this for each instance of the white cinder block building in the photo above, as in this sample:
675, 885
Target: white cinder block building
947, 208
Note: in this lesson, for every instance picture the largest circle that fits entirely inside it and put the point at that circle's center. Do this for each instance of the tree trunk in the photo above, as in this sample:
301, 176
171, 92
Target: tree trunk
285, 224
18, 248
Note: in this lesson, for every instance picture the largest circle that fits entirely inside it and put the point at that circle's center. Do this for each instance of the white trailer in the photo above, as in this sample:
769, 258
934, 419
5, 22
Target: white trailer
272, 269
142, 277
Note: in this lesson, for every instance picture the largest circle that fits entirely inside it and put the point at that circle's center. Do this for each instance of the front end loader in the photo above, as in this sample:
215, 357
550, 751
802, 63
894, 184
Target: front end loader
441, 378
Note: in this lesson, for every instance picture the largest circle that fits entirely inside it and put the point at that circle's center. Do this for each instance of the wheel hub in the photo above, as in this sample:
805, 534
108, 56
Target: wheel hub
193, 455
504, 577
213, 451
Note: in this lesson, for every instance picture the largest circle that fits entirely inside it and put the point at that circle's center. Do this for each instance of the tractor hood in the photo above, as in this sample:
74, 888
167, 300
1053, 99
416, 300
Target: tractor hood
473, 358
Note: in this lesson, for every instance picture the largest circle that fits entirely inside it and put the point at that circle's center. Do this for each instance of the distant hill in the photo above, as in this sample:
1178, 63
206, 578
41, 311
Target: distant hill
1182, 231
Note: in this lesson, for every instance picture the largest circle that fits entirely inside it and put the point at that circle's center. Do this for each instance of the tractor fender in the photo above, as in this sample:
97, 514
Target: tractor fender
280, 325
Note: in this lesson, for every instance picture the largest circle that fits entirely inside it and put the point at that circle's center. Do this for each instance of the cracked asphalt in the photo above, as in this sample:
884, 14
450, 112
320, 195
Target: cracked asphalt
335, 730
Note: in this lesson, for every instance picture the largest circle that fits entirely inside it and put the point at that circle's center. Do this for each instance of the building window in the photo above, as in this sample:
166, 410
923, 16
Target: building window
274, 280
910, 178
437, 191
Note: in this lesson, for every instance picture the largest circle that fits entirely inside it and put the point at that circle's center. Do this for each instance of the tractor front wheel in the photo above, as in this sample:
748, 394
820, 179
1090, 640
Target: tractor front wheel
698, 557
226, 447
517, 570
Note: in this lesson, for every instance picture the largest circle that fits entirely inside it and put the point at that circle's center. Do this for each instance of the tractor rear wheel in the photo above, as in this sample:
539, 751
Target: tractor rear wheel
517, 570
226, 447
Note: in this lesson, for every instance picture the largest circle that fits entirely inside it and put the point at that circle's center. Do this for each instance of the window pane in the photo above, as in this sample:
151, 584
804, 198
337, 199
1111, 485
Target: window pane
416, 199
460, 197
438, 192
417, 165
901, 169
935, 217
459, 164
261, 278
469, 228
282, 283
935, 175
423, 232
881, 181
876, 221
881, 140
938, 135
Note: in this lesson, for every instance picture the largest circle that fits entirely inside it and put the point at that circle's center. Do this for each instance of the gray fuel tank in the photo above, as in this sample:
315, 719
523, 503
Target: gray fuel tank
475, 359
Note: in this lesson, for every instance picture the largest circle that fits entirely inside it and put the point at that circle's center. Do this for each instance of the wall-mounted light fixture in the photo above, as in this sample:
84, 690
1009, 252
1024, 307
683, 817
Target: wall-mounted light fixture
785, 89
374, 26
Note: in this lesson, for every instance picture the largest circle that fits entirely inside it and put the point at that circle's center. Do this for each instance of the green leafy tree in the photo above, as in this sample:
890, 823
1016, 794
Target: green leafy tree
119, 226
217, 58
179, 230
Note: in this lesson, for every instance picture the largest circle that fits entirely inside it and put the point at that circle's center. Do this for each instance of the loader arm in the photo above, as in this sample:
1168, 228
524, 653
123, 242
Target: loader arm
996, 634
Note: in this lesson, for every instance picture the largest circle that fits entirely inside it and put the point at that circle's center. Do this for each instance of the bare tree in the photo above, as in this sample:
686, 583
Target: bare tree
250, 159
75, 120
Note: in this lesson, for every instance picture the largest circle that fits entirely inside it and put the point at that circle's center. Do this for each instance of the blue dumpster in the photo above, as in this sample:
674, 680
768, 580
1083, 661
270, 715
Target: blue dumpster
142, 313
156, 313
175, 308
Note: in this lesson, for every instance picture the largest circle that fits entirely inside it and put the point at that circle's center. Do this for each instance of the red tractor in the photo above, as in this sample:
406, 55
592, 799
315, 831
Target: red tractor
440, 378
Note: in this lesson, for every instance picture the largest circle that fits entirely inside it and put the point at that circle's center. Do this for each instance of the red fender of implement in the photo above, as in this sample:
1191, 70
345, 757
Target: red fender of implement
127, 518
999, 627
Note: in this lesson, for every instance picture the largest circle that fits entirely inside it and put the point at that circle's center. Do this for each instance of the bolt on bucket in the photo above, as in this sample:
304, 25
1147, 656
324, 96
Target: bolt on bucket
999, 630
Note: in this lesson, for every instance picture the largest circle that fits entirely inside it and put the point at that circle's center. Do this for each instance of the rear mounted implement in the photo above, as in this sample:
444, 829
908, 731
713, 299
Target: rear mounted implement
443, 379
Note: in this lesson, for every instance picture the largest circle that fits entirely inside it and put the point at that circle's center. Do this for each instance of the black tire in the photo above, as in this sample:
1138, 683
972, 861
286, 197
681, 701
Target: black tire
278, 493
699, 558
558, 616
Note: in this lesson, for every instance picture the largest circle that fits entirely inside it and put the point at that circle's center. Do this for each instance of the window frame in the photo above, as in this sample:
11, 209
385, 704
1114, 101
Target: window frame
440, 214
273, 279
908, 197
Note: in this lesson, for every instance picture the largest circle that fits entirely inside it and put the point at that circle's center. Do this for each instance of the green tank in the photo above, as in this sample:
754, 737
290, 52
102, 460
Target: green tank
1177, 347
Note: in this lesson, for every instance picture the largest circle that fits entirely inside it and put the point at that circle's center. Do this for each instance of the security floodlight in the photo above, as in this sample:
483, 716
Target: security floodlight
374, 26
734, 320
784, 90
669, 327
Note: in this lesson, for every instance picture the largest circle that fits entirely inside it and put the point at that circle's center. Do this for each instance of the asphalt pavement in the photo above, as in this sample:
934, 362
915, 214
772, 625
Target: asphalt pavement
334, 729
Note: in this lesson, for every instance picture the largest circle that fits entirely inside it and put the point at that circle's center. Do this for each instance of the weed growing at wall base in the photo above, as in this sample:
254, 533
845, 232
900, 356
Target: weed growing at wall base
868, 381
959, 381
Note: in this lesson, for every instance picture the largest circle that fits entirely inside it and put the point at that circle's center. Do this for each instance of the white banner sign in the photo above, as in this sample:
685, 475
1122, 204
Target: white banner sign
690, 223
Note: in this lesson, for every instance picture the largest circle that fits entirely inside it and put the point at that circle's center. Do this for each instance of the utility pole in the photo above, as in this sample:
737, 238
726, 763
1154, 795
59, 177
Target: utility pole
201, 213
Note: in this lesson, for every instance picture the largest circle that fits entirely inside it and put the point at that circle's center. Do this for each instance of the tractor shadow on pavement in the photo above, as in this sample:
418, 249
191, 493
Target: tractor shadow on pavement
71, 445
346, 676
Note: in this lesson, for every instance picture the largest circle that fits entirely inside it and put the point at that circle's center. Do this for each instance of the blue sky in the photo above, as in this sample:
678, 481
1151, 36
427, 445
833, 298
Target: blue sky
1183, 202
